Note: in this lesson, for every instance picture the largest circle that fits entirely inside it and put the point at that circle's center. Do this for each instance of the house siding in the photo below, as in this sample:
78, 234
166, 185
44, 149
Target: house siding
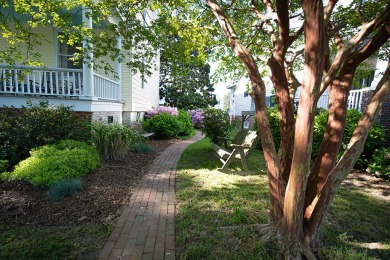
146, 96
135, 98
46, 49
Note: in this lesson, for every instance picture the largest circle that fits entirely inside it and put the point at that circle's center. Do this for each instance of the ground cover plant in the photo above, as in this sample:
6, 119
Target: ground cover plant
55, 162
221, 216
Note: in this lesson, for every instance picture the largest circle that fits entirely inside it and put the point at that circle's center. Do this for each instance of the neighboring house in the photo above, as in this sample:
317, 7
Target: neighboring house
242, 106
91, 92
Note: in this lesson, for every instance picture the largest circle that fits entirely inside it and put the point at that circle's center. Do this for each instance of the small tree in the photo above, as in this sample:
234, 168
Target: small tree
186, 85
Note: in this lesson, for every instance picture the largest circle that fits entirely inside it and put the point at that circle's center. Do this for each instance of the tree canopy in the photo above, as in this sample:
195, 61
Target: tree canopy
186, 85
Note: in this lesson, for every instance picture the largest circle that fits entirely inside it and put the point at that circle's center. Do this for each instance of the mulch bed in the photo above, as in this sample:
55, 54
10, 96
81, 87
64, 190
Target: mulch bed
106, 191
104, 194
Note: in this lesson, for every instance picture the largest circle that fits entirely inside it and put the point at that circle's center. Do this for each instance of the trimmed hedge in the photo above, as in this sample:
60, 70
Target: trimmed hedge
49, 164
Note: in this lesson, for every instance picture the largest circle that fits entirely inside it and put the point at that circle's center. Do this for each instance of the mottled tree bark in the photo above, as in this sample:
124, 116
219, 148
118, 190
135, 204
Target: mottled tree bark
292, 228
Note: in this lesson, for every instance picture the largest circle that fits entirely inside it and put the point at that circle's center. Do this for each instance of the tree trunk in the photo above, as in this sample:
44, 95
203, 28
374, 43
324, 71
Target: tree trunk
292, 229
347, 161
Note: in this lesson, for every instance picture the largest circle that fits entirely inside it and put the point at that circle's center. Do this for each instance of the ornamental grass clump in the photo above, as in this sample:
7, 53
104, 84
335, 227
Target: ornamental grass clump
113, 141
142, 148
64, 188
49, 164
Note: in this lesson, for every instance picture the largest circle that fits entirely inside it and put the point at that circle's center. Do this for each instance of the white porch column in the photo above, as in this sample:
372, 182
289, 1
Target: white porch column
88, 84
118, 68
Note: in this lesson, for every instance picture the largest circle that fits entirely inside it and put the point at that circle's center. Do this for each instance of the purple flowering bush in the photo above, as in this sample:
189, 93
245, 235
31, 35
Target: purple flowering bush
161, 109
196, 118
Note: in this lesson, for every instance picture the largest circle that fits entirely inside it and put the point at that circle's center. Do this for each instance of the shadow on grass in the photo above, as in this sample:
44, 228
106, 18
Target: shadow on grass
357, 222
216, 214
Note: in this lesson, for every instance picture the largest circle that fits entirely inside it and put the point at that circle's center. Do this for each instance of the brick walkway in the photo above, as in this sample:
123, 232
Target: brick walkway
146, 230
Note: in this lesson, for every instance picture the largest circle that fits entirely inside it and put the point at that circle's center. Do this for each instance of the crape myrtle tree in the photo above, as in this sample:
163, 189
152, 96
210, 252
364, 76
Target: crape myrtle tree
185, 84
333, 42
325, 39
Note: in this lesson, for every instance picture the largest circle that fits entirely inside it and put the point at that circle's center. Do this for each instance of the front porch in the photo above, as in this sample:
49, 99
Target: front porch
57, 83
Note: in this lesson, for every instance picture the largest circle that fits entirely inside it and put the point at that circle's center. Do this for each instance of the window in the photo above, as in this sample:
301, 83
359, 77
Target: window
366, 82
65, 53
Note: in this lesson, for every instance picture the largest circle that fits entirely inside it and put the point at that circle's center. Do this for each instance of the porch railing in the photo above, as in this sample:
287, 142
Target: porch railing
56, 82
355, 99
106, 88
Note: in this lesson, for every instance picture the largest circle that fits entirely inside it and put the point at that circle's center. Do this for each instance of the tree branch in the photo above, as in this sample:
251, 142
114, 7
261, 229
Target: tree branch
359, 12
328, 12
344, 52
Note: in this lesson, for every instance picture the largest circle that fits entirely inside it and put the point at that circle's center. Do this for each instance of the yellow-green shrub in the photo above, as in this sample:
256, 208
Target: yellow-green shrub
51, 163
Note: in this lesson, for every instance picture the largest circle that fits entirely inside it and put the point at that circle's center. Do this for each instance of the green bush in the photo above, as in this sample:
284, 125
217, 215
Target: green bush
3, 165
374, 139
142, 148
64, 188
113, 141
166, 125
35, 125
380, 163
163, 125
186, 127
216, 123
54, 162
274, 125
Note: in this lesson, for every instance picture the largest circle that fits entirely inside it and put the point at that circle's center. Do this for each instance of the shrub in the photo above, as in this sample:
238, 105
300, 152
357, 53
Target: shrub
3, 165
113, 141
196, 118
380, 163
54, 162
142, 148
161, 109
216, 123
163, 125
186, 127
374, 139
274, 125
64, 188
35, 125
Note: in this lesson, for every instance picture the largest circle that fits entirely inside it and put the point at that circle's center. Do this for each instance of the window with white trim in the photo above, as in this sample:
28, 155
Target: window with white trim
65, 53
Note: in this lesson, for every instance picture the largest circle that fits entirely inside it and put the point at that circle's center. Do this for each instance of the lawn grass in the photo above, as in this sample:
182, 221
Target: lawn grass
81, 242
217, 213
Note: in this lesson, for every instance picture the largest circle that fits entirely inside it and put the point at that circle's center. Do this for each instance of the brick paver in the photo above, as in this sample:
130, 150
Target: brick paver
145, 230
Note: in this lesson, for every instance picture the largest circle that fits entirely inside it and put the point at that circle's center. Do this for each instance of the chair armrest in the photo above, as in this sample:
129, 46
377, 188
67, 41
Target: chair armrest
241, 146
